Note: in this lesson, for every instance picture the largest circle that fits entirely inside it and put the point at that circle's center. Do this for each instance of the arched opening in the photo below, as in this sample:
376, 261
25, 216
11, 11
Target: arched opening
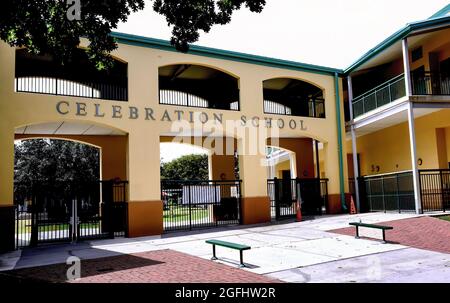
79, 77
198, 86
64, 186
287, 96
199, 188
293, 170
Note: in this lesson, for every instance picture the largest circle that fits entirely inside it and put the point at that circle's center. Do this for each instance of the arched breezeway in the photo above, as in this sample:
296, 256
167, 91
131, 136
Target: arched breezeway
200, 189
76, 184
293, 166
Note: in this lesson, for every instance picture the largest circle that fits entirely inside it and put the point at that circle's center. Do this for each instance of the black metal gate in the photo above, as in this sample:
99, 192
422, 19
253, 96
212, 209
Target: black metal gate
435, 189
283, 195
200, 204
68, 211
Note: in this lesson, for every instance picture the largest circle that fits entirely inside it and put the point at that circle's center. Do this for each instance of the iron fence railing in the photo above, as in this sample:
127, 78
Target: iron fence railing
430, 83
283, 195
180, 98
48, 212
190, 204
383, 94
395, 191
116, 90
435, 189
314, 108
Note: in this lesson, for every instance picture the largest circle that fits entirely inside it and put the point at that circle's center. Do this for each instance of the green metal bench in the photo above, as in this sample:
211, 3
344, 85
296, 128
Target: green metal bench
231, 245
382, 227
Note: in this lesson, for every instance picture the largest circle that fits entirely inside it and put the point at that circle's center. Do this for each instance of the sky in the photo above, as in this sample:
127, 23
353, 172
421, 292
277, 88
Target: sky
332, 33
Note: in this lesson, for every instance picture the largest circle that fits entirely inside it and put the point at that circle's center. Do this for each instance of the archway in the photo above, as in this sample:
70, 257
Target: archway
293, 97
293, 166
198, 86
60, 188
199, 188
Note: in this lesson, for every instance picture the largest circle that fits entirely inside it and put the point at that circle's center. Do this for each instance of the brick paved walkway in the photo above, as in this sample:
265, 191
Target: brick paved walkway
422, 232
154, 266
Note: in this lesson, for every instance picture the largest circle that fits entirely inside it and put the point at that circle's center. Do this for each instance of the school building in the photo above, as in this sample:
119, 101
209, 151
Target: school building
277, 131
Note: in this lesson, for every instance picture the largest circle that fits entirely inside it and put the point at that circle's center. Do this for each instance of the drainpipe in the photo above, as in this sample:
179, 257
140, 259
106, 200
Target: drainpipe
339, 137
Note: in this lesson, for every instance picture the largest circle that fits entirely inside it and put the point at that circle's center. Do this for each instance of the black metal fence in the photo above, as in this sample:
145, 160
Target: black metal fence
430, 83
190, 204
435, 189
314, 108
69, 211
388, 192
180, 98
283, 195
395, 191
116, 90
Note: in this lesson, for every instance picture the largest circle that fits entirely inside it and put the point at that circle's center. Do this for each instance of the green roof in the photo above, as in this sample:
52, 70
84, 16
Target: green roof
224, 54
440, 18
442, 12
397, 36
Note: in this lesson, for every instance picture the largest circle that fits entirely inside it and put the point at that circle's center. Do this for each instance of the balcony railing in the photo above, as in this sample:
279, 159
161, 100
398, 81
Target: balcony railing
70, 87
314, 108
179, 98
385, 93
430, 83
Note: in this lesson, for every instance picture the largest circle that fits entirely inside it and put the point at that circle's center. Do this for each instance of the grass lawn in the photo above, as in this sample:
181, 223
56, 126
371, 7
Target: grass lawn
446, 218
179, 213
25, 226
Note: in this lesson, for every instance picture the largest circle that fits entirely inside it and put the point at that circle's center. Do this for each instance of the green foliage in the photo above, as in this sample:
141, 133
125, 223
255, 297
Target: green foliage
43, 26
188, 17
55, 160
188, 167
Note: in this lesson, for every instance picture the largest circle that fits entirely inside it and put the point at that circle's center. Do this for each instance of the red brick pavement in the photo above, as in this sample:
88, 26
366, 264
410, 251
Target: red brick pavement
149, 267
422, 232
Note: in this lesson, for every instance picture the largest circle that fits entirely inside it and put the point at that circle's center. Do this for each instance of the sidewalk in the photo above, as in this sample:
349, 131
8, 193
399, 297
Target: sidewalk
276, 248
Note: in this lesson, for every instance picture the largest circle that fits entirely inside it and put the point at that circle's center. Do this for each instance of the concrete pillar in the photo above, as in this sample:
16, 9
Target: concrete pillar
354, 147
411, 128
7, 242
253, 173
145, 209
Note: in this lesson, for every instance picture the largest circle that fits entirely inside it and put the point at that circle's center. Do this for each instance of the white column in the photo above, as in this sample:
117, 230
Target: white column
412, 135
354, 147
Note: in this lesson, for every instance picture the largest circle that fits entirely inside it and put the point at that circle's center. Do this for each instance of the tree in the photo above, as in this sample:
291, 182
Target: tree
188, 167
41, 160
55, 27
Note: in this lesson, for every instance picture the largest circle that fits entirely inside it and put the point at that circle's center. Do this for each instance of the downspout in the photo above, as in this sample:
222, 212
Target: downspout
339, 137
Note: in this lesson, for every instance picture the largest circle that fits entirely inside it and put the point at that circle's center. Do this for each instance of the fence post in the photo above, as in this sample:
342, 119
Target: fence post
442, 190
398, 193
276, 191
190, 210
382, 194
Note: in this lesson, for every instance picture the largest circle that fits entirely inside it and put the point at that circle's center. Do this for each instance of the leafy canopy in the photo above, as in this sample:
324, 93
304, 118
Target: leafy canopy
56, 26
188, 167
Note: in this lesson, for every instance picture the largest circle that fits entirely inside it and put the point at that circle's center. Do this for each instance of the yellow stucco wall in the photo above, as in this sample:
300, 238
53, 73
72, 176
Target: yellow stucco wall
390, 150
143, 135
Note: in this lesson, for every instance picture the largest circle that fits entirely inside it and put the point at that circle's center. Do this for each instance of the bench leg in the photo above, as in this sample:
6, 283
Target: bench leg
384, 237
241, 259
357, 232
214, 253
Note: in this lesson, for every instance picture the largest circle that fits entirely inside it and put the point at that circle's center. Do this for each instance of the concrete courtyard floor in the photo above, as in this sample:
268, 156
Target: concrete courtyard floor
290, 251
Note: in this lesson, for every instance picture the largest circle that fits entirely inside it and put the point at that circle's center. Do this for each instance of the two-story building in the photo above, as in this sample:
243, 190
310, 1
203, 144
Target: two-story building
273, 128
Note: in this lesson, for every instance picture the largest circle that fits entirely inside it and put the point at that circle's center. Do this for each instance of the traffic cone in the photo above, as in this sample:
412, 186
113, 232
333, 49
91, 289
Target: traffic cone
299, 211
352, 206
